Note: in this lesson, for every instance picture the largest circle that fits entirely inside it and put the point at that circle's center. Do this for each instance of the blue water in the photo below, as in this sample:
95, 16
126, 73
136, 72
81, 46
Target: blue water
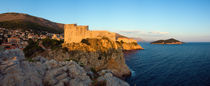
170, 65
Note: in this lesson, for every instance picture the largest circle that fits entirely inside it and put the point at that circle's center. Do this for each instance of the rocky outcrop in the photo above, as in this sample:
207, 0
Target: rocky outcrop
128, 44
105, 54
107, 77
15, 70
131, 46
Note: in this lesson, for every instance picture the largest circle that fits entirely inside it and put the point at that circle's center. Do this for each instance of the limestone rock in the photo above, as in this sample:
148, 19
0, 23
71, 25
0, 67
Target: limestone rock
111, 80
66, 73
12, 53
14, 72
42, 72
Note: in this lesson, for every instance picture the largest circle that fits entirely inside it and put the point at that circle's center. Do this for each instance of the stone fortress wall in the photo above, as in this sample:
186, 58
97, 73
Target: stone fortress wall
75, 33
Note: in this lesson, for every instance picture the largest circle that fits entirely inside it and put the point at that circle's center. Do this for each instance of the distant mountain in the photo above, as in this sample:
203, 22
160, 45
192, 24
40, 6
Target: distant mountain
25, 21
120, 36
135, 38
168, 41
139, 39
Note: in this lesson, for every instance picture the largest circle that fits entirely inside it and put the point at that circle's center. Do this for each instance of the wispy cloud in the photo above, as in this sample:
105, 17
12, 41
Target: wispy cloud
158, 32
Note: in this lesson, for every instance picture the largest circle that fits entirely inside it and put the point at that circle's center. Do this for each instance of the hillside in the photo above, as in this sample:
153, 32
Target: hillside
25, 21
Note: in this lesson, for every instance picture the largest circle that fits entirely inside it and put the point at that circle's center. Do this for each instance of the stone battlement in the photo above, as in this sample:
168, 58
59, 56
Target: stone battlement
75, 33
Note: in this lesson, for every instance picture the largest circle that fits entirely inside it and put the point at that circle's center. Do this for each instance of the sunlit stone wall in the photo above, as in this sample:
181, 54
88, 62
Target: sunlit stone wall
74, 33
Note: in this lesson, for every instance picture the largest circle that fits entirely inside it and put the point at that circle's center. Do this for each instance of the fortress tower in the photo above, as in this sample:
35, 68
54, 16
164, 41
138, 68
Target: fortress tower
74, 33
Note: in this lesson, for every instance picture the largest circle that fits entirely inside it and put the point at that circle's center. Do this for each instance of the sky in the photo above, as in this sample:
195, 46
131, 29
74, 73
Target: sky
185, 20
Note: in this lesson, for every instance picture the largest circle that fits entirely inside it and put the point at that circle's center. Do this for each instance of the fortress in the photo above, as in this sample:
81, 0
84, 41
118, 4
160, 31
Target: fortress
75, 33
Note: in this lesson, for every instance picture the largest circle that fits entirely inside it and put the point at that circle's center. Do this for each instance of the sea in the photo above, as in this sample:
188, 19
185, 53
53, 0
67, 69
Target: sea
170, 65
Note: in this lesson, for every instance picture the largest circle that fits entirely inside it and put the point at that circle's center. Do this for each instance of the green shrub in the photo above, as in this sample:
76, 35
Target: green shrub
52, 43
32, 48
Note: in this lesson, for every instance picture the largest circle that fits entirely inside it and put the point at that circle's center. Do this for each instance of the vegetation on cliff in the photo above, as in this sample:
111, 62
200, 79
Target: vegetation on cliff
39, 46
31, 48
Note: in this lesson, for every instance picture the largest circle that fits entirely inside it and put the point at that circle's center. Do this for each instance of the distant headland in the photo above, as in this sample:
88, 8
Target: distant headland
168, 41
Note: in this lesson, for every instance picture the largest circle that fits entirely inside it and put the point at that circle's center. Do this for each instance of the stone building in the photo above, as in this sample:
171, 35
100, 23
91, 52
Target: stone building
14, 40
75, 33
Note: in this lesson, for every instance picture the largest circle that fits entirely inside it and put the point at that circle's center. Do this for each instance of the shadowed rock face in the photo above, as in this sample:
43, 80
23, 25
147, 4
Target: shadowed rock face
15, 70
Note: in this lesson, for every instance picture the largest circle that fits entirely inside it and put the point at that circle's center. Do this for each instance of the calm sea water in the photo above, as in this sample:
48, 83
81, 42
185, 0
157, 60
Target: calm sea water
170, 65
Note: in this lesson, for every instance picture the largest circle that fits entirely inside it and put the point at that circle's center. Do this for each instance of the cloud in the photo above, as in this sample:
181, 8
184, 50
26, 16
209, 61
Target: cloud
158, 32
131, 33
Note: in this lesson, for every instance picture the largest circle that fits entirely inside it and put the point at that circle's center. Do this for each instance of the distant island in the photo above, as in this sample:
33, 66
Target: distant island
168, 41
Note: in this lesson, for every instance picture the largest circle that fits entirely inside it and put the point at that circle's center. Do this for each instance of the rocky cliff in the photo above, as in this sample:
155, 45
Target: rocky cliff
16, 70
104, 53
93, 53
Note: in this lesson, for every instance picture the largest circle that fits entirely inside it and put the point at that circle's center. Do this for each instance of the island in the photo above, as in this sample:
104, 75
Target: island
168, 41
